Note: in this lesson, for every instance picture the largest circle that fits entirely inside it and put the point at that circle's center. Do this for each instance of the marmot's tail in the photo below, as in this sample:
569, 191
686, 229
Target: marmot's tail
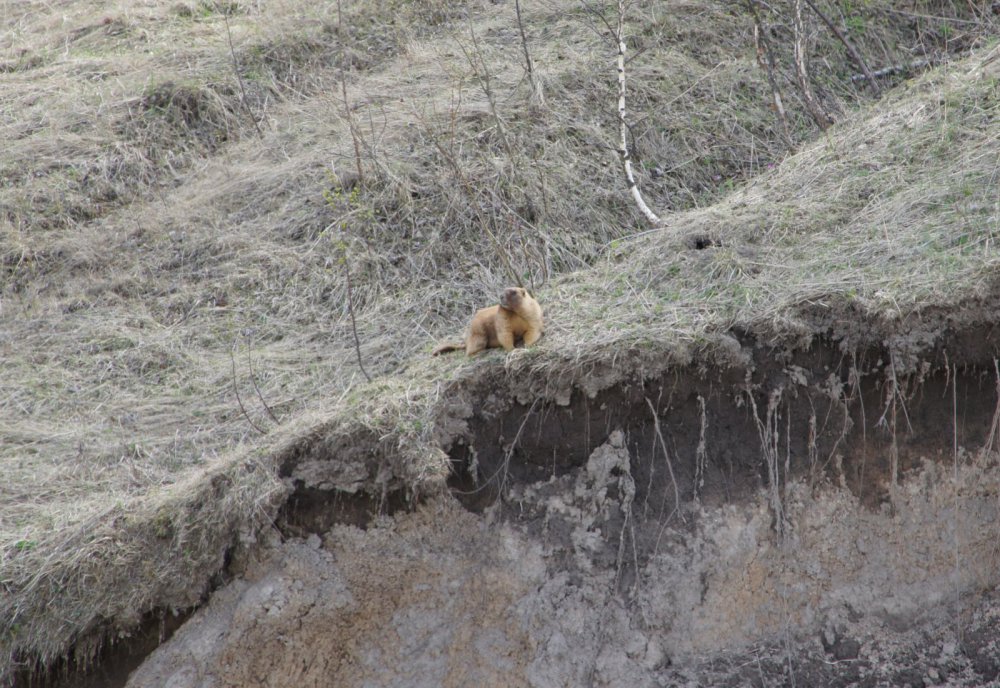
448, 348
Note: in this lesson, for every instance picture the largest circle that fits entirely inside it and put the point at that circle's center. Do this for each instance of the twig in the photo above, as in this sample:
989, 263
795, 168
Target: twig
481, 71
626, 484
504, 466
515, 223
538, 98
239, 77
253, 379
354, 324
765, 58
855, 55
801, 71
347, 105
236, 389
467, 188
623, 126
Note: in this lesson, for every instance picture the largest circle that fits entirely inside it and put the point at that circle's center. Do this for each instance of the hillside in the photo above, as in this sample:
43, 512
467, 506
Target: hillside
187, 186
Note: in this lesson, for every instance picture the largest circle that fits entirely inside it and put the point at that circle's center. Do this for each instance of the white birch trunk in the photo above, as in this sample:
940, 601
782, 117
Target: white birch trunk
623, 150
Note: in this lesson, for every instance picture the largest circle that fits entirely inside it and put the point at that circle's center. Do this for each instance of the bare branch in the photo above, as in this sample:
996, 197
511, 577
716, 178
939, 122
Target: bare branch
537, 97
623, 126
802, 73
468, 189
855, 55
239, 77
236, 389
253, 379
355, 135
765, 58
354, 324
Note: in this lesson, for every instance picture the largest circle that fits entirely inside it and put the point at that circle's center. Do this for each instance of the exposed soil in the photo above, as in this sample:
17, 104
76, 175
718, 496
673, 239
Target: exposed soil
813, 516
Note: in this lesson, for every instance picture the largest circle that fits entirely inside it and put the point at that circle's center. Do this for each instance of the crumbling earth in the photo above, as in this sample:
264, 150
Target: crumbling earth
656, 559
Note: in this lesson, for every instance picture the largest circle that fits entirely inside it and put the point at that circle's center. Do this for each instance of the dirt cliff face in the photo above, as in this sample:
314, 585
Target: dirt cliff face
792, 520
443, 597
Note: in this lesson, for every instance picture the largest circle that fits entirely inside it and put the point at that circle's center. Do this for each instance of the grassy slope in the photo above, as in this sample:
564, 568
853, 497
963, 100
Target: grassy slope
148, 233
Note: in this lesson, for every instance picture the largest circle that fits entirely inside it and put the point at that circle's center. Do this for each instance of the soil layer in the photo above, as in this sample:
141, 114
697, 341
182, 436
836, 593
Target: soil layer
823, 517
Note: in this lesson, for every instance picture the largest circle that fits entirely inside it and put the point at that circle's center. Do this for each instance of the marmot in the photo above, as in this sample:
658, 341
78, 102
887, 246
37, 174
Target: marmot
517, 317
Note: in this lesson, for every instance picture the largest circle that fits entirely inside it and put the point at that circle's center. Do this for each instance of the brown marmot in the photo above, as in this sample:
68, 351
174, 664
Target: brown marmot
517, 317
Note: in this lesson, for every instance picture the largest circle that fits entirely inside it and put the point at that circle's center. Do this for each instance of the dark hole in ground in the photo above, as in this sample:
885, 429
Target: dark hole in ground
700, 242
312, 510
113, 663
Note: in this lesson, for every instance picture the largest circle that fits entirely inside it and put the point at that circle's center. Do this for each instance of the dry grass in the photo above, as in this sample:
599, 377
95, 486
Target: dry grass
896, 213
149, 239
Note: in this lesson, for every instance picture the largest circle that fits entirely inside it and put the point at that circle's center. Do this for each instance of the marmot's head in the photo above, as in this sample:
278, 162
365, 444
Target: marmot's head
512, 297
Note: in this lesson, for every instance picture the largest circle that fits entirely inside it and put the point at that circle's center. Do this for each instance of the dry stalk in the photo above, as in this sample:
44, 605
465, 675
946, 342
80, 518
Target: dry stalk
623, 125
239, 77
843, 402
627, 485
788, 453
766, 60
482, 73
509, 453
481, 70
351, 125
515, 222
467, 186
504, 468
537, 97
954, 420
354, 324
956, 494
236, 389
802, 72
894, 395
253, 379
854, 377
812, 449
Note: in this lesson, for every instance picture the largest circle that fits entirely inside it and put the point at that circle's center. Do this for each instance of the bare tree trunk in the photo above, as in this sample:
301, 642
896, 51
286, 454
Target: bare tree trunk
801, 71
623, 150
